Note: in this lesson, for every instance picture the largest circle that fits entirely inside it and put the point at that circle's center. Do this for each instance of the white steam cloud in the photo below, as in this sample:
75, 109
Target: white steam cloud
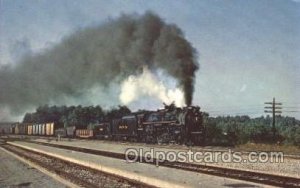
147, 84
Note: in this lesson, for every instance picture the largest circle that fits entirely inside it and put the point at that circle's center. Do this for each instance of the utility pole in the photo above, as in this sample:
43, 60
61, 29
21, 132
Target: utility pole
274, 109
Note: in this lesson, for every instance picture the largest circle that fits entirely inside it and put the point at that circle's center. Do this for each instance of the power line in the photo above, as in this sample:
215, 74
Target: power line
275, 109
229, 106
249, 109
235, 113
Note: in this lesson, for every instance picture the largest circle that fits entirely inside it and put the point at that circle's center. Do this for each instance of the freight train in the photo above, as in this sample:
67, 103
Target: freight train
43, 129
168, 125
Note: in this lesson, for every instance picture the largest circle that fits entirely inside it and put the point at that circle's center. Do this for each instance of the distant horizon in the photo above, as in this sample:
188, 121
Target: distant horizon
210, 115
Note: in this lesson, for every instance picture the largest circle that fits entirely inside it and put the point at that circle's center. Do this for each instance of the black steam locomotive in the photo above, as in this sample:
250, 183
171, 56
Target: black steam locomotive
169, 125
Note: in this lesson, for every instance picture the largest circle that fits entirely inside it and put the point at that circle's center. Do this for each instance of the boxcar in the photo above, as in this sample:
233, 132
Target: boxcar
71, 131
29, 129
42, 131
22, 128
49, 129
5, 128
12, 130
60, 132
84, 133
34, 129
102, 130
39, 129
17, 130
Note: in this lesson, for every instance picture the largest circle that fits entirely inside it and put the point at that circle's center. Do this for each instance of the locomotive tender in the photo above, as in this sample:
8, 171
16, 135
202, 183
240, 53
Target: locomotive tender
168, 125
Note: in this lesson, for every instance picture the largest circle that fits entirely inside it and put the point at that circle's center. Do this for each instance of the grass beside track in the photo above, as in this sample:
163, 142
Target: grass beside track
286, 149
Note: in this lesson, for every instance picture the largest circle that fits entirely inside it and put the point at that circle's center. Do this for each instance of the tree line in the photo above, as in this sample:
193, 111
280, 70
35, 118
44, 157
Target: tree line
74, 115
233, 130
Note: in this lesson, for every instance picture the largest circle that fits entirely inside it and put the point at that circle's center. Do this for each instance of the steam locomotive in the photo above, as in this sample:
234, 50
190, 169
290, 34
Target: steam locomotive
168, 125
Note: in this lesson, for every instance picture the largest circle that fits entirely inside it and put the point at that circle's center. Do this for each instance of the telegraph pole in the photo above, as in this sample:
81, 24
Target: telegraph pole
274, 109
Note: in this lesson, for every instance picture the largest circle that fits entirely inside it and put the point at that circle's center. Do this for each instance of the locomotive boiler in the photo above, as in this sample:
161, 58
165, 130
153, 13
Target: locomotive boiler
173, 125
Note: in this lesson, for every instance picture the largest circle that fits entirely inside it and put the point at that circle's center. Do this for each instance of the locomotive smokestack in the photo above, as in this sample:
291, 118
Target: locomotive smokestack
188, 90
99, 57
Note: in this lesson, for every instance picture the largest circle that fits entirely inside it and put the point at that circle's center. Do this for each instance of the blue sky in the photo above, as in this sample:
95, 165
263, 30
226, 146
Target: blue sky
248, 49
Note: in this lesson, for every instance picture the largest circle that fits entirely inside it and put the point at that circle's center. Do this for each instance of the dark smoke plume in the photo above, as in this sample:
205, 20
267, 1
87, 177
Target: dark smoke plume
97, 56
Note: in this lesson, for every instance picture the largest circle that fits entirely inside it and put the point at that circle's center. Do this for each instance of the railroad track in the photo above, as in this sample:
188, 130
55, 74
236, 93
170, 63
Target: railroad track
75, 173
257, 177
180, 147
